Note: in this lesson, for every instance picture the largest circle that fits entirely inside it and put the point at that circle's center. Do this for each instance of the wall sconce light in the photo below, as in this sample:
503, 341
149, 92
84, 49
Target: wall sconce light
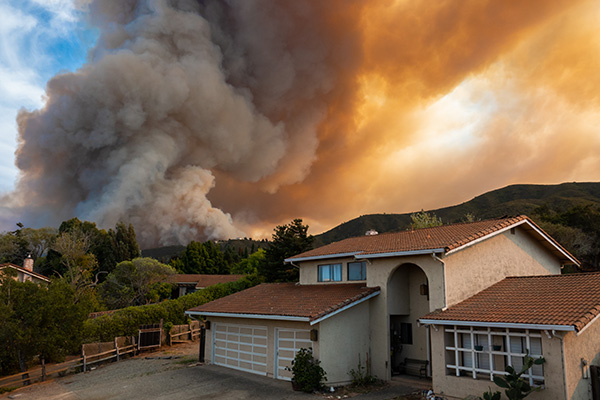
585, 369
424, 289
314, 335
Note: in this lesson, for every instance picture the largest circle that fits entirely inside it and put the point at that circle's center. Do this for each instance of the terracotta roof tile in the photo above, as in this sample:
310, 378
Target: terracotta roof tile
447, 237
203, 280
571, 299
289, 299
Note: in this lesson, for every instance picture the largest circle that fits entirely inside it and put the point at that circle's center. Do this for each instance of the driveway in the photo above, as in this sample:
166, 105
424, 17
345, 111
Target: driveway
172, 374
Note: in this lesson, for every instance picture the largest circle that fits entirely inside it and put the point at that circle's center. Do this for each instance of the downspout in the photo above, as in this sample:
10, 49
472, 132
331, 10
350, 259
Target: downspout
435, 257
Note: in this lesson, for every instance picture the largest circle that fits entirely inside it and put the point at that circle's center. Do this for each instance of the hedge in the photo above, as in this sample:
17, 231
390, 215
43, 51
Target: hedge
126, 321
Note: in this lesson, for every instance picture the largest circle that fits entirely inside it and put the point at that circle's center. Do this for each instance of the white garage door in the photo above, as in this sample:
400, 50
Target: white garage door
242, 347
289, 341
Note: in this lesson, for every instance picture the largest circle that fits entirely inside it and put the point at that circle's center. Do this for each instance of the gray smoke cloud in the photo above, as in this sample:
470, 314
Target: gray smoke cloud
174, 92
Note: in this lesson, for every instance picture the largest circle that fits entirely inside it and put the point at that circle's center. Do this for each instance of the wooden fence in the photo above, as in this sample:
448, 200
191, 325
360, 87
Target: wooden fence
91, 353
184, 333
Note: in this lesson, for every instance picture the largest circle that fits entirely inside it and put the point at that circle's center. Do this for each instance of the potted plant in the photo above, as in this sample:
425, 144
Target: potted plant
307, 373
497, 347
478, 347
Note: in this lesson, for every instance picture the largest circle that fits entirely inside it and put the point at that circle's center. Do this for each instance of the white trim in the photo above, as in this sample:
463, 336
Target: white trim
252, 316
525, 221
339, 310
398, 253
587, 325
322, 257
498, 325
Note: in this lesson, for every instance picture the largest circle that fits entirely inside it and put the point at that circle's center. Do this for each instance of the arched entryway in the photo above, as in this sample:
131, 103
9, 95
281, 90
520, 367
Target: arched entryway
408, 300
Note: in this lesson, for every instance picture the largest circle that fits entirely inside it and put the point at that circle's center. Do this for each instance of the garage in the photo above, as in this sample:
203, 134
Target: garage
288, 342
242, 347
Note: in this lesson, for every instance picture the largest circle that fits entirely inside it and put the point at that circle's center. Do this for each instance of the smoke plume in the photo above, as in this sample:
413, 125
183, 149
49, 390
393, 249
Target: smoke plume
217, 119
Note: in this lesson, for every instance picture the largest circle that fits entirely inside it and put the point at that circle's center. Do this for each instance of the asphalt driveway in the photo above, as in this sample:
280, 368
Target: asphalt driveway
172, 374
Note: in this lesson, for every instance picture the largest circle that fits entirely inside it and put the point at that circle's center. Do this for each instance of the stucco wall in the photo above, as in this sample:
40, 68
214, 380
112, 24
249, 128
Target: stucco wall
379, 274
343, 338
452, 386
479, 266
587, 346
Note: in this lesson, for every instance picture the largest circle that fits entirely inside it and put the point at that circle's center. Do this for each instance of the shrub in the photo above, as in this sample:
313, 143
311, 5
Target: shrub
126, 321
307, 372
361, 376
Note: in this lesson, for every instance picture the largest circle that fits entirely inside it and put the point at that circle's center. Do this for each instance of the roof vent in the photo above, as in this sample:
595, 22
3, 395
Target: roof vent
371, 232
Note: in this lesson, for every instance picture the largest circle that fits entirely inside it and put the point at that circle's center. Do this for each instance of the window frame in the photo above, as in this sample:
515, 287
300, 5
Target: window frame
363, 272
463, 359
332, 269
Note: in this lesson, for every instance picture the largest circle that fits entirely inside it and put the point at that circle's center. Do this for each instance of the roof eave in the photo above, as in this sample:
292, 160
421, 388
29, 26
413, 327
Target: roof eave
483, 324
399, 253
347, 306
321, 257
249, 316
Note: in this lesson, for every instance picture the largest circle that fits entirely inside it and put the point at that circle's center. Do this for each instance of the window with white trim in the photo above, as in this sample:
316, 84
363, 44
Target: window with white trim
330, 273
357, 271
481, 353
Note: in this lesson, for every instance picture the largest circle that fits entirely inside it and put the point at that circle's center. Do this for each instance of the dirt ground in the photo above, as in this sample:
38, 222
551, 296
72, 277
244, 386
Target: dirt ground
174, 373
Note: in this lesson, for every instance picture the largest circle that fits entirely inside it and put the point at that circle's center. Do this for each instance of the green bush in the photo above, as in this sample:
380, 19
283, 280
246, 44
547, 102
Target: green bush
126, 321
307, 372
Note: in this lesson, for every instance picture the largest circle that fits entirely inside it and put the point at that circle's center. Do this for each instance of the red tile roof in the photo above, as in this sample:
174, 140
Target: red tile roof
442, 238
569, 300
203, 280
289, 299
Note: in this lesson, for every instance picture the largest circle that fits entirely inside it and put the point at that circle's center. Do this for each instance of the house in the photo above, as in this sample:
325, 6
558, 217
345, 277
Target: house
383, 285
554, 316
25, 273
189, 283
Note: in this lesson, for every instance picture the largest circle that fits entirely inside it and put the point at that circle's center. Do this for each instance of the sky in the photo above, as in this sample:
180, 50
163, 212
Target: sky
227, 118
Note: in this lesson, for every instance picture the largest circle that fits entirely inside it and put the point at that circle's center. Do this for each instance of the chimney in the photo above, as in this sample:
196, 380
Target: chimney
28, 263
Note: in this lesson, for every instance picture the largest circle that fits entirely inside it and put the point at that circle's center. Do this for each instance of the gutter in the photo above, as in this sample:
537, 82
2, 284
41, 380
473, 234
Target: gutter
252, 316
359, 256
541, 327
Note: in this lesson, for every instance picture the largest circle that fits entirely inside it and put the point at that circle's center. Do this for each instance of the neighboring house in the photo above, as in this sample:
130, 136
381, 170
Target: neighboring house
25, 273
554, 316
391, 279
189, 283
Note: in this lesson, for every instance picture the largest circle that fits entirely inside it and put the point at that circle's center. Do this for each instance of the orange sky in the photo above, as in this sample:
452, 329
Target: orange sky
443, 101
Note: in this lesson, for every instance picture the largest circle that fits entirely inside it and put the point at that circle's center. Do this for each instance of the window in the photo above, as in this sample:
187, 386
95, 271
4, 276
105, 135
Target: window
481, 353
330, 273
357, 271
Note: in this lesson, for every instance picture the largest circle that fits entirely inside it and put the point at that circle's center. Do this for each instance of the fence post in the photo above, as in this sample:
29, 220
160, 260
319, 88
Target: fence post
43, 369
117, 348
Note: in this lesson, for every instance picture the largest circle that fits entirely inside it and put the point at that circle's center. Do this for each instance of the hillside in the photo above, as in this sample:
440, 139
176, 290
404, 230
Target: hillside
511, 200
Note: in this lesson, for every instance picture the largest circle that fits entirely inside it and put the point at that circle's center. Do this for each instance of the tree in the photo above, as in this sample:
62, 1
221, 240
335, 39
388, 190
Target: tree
201, 258
287, 240
39, 241
38, 321
123, 242
424, 219
136, 282
251, 264
80, 264
13, 247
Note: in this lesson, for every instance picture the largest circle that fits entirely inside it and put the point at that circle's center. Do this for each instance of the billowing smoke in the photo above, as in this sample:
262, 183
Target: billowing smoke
174, 91
213, 119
